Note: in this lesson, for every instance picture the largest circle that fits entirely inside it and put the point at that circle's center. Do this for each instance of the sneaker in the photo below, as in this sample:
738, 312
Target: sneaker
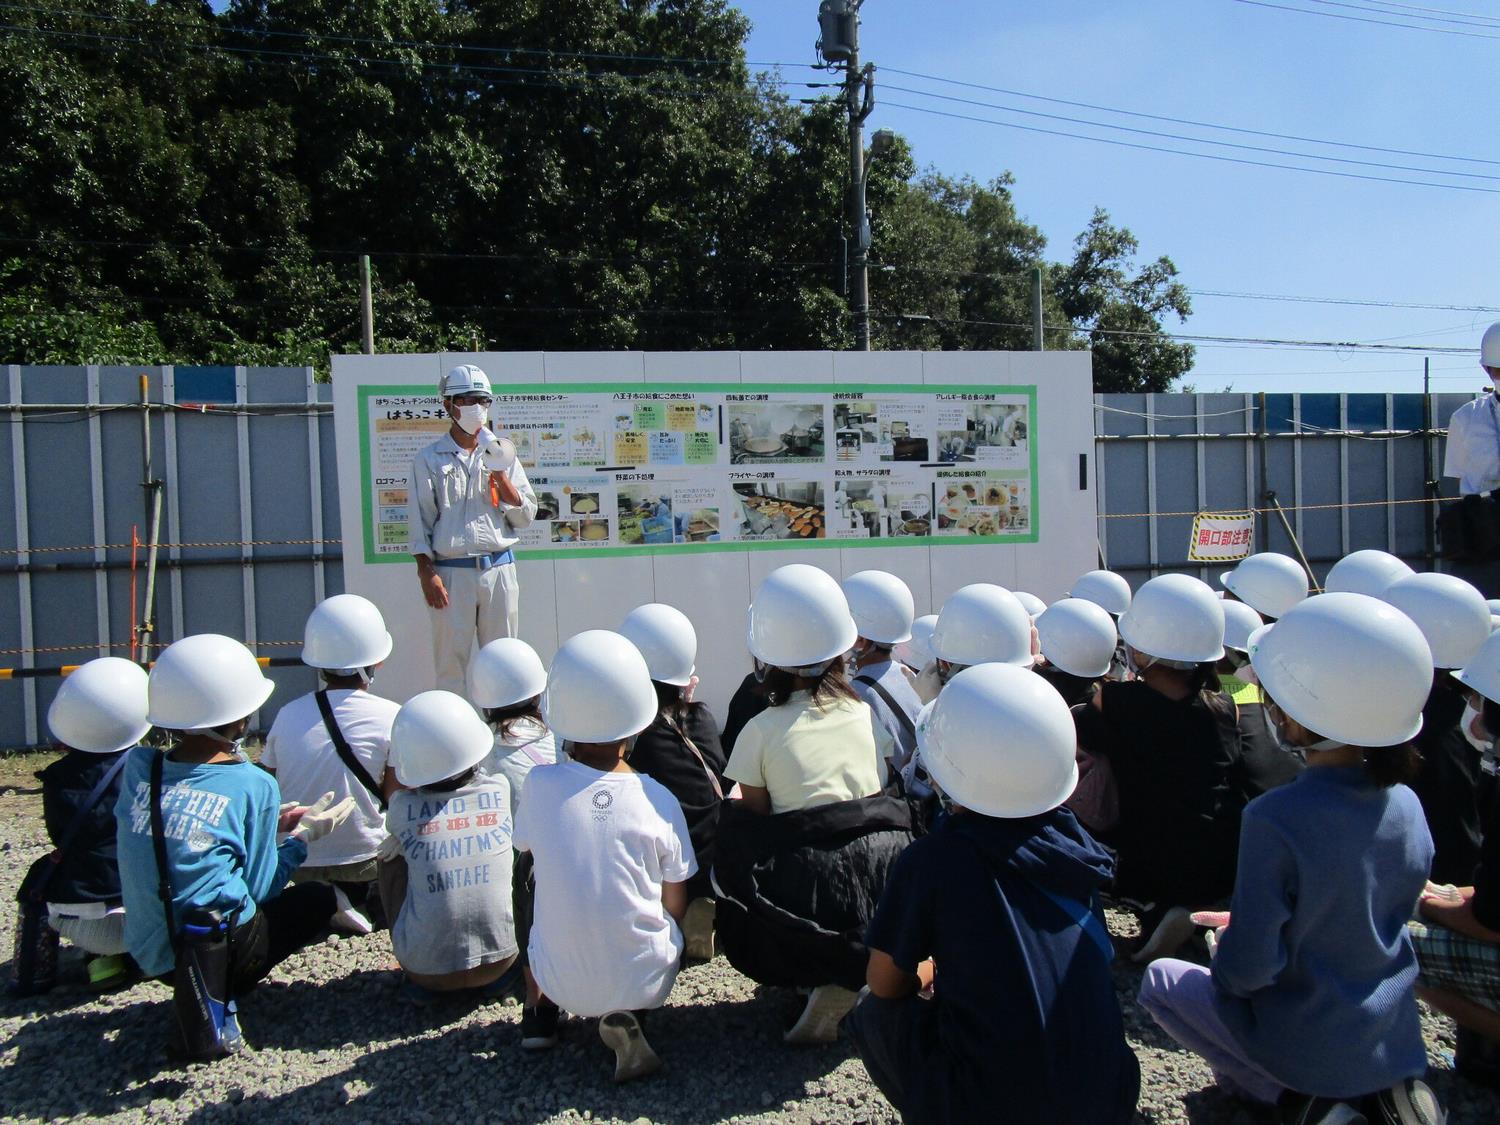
622, 1034
1407, 1103
110, 972
539, 1026
347, 917
698, 930
819, 1022
1305, 1109
1175, 927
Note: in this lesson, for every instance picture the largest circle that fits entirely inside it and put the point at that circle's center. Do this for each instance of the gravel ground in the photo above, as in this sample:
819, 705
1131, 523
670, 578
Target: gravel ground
331, 1034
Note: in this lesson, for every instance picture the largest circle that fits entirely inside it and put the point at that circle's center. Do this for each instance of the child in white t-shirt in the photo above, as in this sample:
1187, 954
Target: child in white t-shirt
451, 926
612, 856
346, 640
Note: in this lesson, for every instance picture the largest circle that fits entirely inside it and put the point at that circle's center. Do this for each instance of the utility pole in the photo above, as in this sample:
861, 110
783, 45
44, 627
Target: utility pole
838, 46
366, 306
1038, 342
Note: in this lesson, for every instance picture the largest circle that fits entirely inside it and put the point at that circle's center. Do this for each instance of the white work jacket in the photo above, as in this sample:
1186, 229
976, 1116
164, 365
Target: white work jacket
449, 510
1473, 454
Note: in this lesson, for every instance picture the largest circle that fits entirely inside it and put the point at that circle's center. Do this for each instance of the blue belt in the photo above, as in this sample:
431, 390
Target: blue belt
478, 562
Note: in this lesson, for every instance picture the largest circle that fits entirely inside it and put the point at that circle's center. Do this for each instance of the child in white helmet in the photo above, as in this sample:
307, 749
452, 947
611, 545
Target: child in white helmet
804, 854
1171, 740
337, 739
989, 990
681, 750
1458, 941
613, 858
1308, 1004
883, 612
198, 827
452, 927
97, 716
506, 680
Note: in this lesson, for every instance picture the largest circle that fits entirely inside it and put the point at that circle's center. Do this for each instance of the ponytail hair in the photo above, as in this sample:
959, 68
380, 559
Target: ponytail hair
830, 685
503, 718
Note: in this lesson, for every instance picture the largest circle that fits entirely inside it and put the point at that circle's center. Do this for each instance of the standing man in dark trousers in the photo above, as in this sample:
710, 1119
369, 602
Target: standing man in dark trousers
469, 496
1470, 530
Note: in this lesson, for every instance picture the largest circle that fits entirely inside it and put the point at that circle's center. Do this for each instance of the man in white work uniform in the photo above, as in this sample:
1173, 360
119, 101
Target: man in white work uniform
469, 495
1473, 456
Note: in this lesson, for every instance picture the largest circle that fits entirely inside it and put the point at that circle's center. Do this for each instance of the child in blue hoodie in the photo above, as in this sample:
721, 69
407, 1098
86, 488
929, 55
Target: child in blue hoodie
989, 991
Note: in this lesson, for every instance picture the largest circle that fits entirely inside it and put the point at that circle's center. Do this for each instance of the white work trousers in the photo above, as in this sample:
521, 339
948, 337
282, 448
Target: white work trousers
481, 603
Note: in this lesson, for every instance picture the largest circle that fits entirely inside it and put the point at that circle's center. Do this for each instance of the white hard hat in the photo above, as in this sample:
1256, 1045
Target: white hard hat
881, 605
1175, 617
1105, 588
436, 736
1268, 582
1347, 667
1451, 613
1483, 672
917, 652
505, 672
800, 618
983, 624
1078, 636
1239, 622
101, 707
465, 379
345, 633
1028, 770
1489, 347
666, 639
599, 689
1365, 572
1033, 605
204, 681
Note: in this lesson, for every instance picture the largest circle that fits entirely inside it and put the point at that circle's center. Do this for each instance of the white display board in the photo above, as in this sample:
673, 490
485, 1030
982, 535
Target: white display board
687, 477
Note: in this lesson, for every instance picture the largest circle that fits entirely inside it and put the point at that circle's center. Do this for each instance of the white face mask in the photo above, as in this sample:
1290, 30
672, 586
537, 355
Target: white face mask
1466, 724
471, 418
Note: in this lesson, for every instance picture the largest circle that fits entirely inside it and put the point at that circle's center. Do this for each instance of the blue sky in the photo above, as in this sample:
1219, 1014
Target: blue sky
1227, 226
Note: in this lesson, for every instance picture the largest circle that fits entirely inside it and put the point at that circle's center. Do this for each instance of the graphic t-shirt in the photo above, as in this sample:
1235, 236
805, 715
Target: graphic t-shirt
301, 752
219, 823
457, 914
604, 843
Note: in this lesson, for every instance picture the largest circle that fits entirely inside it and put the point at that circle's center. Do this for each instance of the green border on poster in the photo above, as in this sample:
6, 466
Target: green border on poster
368, 391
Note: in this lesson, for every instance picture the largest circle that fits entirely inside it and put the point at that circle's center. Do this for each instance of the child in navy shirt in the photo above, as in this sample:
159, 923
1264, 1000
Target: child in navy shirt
989, 990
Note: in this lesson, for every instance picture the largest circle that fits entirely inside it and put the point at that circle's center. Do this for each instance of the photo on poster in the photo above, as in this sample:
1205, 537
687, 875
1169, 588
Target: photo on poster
564, 531
643, 513
880, 508
765, 432
547, 506
983, 505
584, 503
779, 509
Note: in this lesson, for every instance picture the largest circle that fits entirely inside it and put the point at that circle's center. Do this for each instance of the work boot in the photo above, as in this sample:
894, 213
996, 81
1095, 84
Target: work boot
622, 1034
819, 1022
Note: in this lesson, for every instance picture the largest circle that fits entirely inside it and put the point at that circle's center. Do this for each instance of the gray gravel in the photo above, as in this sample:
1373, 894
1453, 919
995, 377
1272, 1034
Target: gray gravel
331, 1033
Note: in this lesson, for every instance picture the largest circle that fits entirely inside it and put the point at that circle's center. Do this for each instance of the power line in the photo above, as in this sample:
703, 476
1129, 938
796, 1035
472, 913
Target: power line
1374, 304
1183, 152
1367, 19
1185, 120
1193, 140
1383, 10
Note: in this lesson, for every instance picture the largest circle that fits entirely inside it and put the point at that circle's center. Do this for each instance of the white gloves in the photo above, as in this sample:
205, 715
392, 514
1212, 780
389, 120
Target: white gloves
497, 453
322, 817
390, 848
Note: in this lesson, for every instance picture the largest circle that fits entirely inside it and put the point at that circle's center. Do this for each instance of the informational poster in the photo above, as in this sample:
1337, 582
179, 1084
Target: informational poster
730, 467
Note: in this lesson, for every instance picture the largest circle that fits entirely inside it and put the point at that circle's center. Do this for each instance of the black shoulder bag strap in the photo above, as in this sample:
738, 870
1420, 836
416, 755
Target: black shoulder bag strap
346, 755
75, 826
693, 746
159, 845
908, 728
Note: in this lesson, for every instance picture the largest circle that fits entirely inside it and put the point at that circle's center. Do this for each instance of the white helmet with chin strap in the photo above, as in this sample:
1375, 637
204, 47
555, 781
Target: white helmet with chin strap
1175, 619
101, 707
1104, 588
345, 636
1367, 572
881, 605
800, 620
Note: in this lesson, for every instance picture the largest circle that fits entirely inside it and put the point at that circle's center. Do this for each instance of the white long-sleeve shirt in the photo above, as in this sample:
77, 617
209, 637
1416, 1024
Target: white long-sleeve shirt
1473, 452
449, 510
